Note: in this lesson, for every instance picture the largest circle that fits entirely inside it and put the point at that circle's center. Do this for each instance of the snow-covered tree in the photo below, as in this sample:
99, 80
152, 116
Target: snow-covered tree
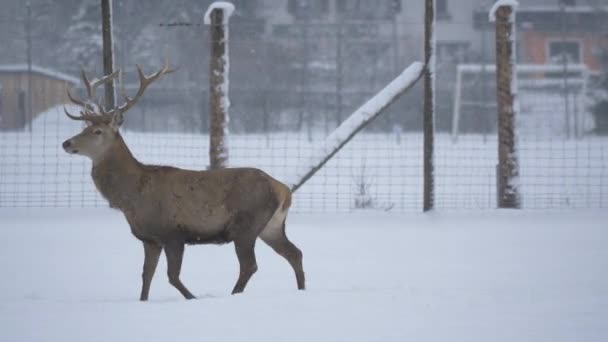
82, 43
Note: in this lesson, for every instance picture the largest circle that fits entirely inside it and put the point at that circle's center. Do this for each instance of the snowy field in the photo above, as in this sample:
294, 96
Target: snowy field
74, 275
555, 173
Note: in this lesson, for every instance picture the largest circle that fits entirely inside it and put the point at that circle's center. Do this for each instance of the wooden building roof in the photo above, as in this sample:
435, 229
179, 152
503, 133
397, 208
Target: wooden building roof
20, 68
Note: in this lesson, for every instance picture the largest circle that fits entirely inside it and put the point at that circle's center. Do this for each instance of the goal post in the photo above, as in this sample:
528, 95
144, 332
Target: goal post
535, 81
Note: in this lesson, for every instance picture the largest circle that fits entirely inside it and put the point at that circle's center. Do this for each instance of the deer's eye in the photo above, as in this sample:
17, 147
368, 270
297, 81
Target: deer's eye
98, 132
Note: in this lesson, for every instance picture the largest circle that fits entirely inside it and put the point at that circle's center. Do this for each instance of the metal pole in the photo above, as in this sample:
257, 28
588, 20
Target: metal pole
396, 44
564, 60
108, 53
429, 107
28, 31
457, 101
339, 72
305, 72
485, 121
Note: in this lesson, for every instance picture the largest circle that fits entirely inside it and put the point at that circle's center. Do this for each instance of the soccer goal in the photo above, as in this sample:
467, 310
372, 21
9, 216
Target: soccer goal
551, 98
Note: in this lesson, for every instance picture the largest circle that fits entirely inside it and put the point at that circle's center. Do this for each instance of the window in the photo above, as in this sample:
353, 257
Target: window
571, 50
308, 8
370, 10
22, 118
244, 8
442, 9
452, 52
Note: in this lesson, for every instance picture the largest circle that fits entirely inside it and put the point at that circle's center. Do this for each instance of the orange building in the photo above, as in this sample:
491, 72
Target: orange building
550, 33
547, 34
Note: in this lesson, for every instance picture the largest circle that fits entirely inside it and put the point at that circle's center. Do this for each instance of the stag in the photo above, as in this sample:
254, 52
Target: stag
167, 207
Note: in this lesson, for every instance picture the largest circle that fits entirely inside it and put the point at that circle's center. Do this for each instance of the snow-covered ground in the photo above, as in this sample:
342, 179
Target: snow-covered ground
74, 275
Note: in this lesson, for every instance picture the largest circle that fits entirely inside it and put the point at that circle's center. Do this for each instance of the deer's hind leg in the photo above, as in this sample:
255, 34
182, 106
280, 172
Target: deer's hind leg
274, 235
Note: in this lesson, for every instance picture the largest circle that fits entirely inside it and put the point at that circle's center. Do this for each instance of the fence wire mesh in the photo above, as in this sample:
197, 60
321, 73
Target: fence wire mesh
291, 82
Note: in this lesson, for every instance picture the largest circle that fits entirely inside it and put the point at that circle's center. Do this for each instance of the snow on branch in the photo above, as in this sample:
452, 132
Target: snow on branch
227, 7
357, 121
500, 3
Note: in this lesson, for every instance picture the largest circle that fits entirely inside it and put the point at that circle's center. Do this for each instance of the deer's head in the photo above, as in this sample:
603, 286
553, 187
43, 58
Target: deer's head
101, 131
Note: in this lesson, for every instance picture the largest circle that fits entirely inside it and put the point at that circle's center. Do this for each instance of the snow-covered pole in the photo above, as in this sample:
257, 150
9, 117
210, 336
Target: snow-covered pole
356, 122
108, 51
429, 107
503, 13
216, 17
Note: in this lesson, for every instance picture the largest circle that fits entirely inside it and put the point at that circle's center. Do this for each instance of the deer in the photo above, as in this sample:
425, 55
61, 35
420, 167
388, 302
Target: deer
167, 207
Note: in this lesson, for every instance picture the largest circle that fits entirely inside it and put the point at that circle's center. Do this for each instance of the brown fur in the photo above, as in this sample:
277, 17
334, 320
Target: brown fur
168, 207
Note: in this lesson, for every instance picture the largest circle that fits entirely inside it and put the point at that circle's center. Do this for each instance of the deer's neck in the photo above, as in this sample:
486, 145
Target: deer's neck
117, 174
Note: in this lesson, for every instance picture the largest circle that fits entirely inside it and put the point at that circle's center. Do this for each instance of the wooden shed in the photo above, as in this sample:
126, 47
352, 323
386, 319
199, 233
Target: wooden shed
49, 89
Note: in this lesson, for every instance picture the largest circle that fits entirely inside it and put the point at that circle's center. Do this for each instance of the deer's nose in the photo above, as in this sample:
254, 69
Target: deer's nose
66, 144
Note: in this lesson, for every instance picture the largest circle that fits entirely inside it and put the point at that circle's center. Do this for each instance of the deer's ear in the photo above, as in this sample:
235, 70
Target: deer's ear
116, 122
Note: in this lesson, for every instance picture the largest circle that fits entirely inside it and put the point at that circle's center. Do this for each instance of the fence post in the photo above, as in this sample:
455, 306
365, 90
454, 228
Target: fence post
29, 113
564, 60
108, 51
217, 17
339, 72
503, 13
429, 106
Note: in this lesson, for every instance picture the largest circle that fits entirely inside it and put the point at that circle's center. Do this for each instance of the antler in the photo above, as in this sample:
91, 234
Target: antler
93, 111
89, 112
85, 116
144, 82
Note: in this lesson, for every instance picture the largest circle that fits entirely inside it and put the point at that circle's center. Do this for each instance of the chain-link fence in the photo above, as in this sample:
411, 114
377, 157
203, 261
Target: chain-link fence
293, 78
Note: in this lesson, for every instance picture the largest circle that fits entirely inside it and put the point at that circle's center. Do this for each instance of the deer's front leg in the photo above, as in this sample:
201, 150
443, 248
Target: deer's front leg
174, 251
152, 253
